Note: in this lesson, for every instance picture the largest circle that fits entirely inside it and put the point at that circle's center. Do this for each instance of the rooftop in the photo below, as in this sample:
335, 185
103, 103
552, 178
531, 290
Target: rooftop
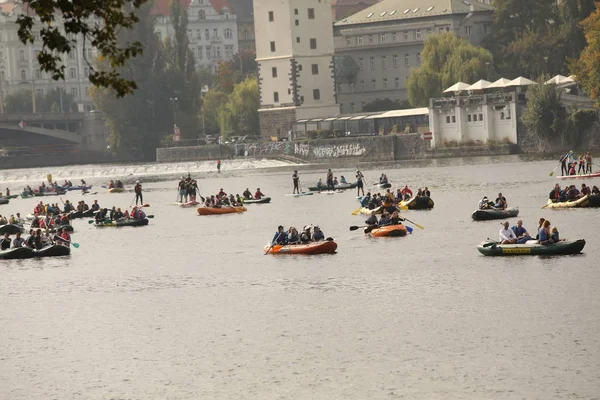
394, 10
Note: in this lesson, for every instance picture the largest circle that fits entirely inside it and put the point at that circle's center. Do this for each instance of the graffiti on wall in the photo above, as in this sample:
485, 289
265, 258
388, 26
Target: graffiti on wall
301, 149
330, 151
254, 149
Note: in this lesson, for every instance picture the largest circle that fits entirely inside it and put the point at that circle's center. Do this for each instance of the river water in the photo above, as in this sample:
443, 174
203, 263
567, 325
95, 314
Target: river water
190, 308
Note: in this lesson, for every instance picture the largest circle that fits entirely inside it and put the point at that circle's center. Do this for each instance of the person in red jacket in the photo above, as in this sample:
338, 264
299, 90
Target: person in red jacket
258, 195
406, 192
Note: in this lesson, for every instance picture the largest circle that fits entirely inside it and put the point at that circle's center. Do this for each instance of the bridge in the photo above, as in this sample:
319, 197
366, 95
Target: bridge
29, 129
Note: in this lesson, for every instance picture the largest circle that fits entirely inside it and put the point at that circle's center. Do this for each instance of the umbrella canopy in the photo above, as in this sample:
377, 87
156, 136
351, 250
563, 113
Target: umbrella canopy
480, 85
458, 87
500, 83
560, 80
520, 81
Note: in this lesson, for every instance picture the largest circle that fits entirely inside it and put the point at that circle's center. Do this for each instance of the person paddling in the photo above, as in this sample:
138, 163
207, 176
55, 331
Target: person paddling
138, 193
258, 195
281, 237
296, 181
360, 183
5, 242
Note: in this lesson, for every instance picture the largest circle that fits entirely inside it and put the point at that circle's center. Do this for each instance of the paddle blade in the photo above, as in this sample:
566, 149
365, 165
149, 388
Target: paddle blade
149, 216
76, 245
354, 228
91, 221
552, 173
355, 211
408, 229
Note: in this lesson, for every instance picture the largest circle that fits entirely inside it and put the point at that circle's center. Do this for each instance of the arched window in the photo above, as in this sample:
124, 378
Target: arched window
72, 72
23, 74
201, 15
227, 33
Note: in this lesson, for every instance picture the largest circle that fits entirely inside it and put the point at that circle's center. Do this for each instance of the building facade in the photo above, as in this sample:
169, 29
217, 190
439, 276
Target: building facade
244, 11
341, 9
294, 52
19, 69
385, 41
212, 29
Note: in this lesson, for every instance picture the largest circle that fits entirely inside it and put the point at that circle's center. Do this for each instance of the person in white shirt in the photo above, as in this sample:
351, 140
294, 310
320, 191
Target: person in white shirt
507, 235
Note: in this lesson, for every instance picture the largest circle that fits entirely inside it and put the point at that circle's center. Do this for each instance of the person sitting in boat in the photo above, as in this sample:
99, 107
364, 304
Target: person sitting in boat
224, 201
419, 192
39, 240
595, 190
585, 190
238, 199
426, 192
47, 222
335, 181
247, 194
19, 220
320, 185
30, 241
138, 214
383, 180
572, 169
306, 236
3, 220
18, 241
119, 184
56, 219
111, 184
507, 236
12, 220
484, 204
554, 194
389, 196
343, 180
222, 193
68, 207
281, 237
395, 219
572, 193
293, 236
57, 239
35, 223
65, 237
318, 234
95, 206
385, 219
501, 202
64, 220
521, 233
364, 202
555, 235
544, 234
372, 222
406, 193
258, 195
5, 242
100, 216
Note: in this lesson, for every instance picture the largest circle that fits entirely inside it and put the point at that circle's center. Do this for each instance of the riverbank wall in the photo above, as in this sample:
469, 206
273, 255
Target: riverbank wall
58, 159
341, 150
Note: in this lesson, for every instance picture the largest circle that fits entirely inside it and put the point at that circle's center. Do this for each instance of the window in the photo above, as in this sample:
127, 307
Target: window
469, 118
316, 94
201, 15
501, 113
228, 33
276, 97
373, 84
397, 83
384, 83
418, 58
38, 74
229, 51
86, 71
272, 46
295, 11
297, 39
199, 34
383, 37
454, 119
71, 55
481, 117
313, 44
360, 63
347, 40
486, 29
271, 16
383, 62
418, 34
21, 55
199, 53
311, 13
215, 33
218, 52
299, 67
370, 38
72, 73
405, 35
297, 22
23, 74
396, 61
39, 92
393, 36
189, 34
274, 72
468, 30
74, 91
359, 40
428, 31
208, 52
362, 86
315, 69
407, 60
447, 119
352, 108
372, 62
207, 34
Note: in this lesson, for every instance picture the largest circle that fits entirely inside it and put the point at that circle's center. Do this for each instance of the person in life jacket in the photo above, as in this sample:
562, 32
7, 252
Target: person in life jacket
406, 192
554, 194
111, 184
138, 193
258, 195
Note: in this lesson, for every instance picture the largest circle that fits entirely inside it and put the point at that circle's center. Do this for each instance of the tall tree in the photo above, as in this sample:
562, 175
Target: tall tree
98, 23
240, 114
446, 59
587, 66
212, 104
138, 121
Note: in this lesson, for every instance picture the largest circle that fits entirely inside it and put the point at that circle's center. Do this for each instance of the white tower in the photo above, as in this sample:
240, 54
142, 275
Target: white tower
294, 52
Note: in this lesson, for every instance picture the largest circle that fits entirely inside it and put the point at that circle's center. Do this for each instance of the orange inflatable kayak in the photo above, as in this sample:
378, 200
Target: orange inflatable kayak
322, 247
389, 230
221, 210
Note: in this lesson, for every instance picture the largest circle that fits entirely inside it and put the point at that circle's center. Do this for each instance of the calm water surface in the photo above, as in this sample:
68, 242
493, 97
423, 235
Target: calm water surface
190, 308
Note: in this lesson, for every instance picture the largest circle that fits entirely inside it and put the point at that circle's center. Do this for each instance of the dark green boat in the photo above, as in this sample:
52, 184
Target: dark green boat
492, 213
264, 200
11, 229
339, 186
55, 250
532, 248
17, 253
123, 222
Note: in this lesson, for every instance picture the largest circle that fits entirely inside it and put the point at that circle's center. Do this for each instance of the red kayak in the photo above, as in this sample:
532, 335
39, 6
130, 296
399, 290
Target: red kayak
596, 175
322, 247
188, 204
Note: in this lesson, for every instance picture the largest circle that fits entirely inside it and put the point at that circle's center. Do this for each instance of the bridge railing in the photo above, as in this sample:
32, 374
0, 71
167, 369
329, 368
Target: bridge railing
42, 116
38, 150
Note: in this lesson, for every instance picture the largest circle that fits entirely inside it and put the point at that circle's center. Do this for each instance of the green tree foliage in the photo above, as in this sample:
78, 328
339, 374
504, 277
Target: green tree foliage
240, 115
532, 37
98, 23
446, 59
53, 101
138, 121
587, 66
212, 103
545, 115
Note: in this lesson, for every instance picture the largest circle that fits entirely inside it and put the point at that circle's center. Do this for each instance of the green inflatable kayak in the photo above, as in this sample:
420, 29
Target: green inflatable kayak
264, 200
123, 222
492, 213
531, 248
11, 229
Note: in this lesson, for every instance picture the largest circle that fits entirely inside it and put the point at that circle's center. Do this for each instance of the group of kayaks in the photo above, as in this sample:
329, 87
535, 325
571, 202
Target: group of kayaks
588, 201
17, 253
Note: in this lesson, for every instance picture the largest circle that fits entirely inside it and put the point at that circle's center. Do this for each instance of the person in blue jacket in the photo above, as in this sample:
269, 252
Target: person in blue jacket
281, 237
521, 233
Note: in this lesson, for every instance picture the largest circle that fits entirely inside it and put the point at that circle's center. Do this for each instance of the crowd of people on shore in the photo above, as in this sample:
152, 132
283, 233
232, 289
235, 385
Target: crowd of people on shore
292, 236
571, 193
546, 234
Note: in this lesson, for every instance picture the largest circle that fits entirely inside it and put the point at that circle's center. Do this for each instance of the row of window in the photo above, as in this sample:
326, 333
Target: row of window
395, 61
202, 13
417, 34
227, 34
312, 41
23, 55
310, 12
213, 52
314, 69
385, 84
316, 96
40, 75
74, 91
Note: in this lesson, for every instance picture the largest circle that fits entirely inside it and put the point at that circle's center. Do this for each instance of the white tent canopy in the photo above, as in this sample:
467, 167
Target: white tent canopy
520, 81
500, 83
560, 80
458, 87
480, 85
